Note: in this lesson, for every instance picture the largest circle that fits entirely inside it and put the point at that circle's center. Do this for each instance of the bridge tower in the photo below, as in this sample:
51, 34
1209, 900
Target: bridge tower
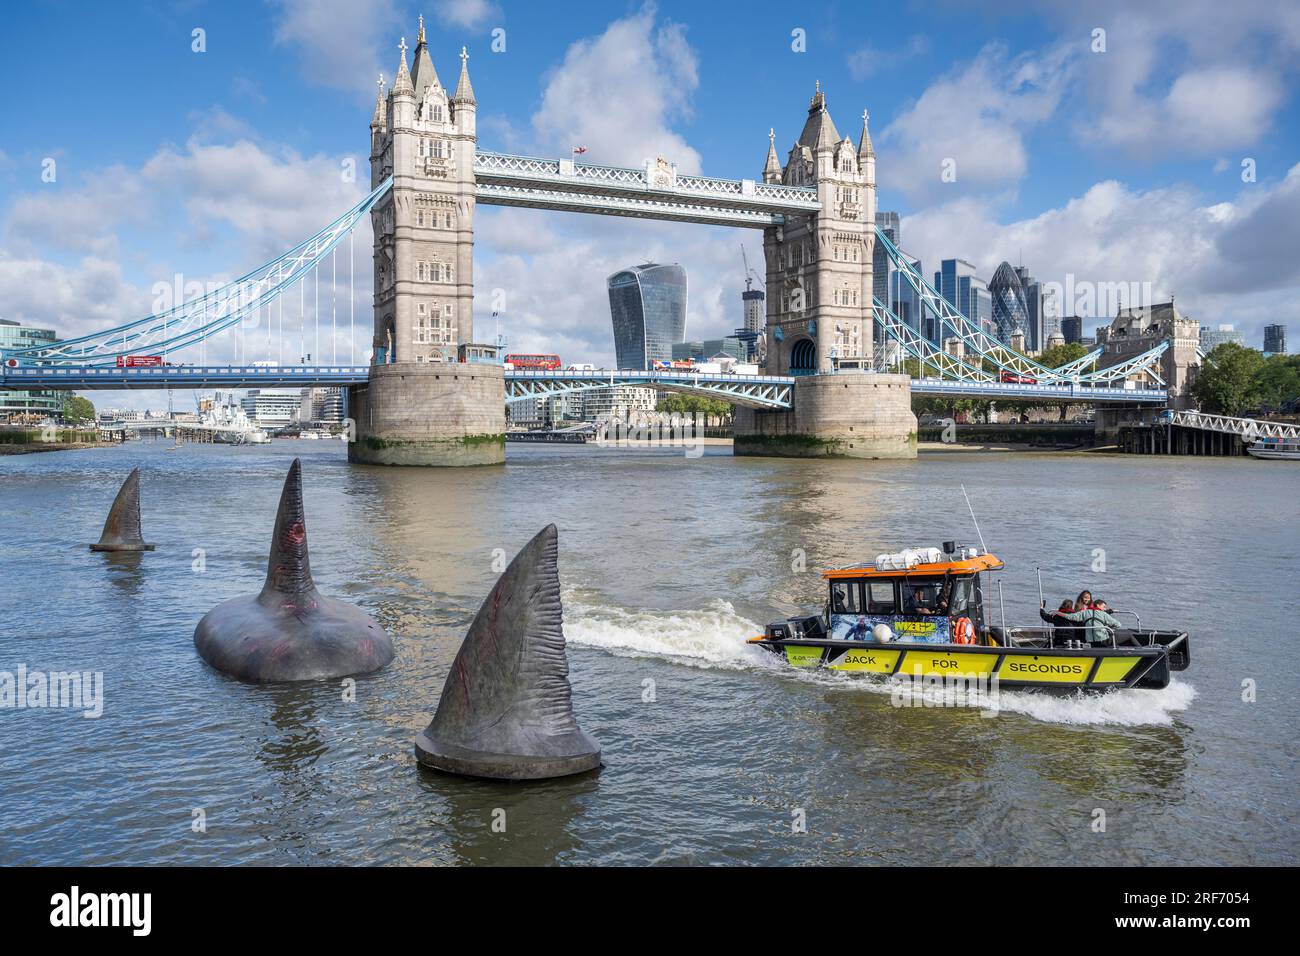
422, 406
819, 312
819, 267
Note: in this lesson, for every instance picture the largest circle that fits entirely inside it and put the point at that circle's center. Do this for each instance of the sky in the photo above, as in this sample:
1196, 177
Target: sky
1155, 144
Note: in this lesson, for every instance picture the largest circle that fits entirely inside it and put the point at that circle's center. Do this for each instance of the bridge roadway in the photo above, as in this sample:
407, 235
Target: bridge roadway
757, 391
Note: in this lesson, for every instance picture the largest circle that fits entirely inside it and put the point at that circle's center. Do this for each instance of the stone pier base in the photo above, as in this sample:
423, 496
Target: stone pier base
1109, 420
845, 415
434, 415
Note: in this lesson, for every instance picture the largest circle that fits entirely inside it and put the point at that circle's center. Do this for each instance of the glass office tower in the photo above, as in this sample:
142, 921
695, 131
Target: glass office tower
647, 304
1010, 309
1275, 339
22, 405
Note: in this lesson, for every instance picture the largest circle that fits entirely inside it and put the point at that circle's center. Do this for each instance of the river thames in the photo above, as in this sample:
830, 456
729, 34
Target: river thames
714, 752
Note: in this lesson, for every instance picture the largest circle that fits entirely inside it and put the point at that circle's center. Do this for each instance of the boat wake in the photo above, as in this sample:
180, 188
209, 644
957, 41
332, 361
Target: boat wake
714, 637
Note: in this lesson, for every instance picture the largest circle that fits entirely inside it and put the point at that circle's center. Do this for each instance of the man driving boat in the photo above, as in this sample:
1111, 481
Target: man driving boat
925, 599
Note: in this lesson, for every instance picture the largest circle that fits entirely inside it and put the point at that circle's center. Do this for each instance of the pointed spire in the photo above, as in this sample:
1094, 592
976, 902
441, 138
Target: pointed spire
865, 149
819, 98
819, 129
423, 75
772, 168
377, 121
403, 82
464, 95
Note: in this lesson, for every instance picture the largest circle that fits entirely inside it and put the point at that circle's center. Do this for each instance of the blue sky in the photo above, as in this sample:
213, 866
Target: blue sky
1114, 165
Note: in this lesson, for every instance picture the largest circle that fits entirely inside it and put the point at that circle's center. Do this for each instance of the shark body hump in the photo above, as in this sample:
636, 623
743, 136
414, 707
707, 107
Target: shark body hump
506, 710
290, 631
122, 527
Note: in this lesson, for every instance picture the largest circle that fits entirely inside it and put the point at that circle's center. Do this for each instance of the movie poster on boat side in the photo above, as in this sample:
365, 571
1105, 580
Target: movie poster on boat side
915, 628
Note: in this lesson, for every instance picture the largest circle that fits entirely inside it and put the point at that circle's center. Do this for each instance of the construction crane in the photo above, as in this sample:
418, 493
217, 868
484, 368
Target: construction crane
749, 282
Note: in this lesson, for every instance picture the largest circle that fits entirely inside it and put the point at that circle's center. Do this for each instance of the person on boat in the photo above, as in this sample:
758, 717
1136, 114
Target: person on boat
1098, 626
919, 604
1083, 601
1062, 629
1121, 639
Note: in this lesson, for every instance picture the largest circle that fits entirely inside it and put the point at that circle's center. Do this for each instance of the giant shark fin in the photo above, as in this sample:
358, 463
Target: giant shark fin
506, 709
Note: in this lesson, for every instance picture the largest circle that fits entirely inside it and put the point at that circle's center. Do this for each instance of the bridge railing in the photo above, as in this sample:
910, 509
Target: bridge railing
1049, 391
648, 375
491, 165
1247, 428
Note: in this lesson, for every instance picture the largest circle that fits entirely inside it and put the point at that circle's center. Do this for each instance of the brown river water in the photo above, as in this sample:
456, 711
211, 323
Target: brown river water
714, 752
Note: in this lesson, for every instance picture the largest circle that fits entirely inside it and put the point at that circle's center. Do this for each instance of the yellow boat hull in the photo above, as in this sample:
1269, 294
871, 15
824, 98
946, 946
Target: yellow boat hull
1057, 669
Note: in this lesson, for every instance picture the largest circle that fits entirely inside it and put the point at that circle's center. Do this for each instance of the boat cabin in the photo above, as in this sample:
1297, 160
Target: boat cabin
919, 595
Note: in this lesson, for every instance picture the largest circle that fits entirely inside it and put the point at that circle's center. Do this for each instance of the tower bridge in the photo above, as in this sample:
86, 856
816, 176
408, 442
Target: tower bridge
824, 390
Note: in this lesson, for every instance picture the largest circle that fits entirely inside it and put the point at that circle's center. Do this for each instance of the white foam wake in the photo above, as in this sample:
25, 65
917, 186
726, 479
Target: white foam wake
1124, 708
714, 637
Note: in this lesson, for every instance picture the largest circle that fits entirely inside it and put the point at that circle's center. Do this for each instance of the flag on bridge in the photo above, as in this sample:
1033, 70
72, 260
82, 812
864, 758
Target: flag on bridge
579, 150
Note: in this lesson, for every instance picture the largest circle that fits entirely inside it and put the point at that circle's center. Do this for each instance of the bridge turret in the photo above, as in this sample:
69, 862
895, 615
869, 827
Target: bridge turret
402, 98
464, 95
772, 168
867, 152
378, 126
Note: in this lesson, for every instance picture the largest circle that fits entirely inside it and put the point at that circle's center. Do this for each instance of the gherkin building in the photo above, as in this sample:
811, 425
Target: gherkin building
1010, 309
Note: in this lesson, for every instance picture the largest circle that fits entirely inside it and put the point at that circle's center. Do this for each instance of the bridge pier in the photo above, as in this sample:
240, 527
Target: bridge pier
430, 414
843, 415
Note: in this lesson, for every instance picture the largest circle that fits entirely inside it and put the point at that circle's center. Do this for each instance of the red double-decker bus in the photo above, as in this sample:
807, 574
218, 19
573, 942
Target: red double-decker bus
1011, 378
543, 362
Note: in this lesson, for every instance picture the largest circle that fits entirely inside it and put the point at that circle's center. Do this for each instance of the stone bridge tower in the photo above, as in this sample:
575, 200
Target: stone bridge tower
819, 317
424, 137
423, 405
819, 275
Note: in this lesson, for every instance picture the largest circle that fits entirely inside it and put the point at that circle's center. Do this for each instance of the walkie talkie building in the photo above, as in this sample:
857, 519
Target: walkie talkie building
647, 304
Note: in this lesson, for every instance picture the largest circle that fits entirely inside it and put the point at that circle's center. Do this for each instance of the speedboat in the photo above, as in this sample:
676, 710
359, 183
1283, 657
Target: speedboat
921, 613
1287, 449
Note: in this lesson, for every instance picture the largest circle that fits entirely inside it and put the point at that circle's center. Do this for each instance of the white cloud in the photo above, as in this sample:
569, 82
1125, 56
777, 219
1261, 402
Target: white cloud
470, 14
1204, 111
552, 267
868, 60
1181, 75
273, 198
973, 121
78, 220
91, 293
1225, 262
618, 93
342, 43
205, 212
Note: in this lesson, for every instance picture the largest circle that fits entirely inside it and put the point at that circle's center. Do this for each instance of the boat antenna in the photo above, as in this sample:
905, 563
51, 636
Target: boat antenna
1003, 605
974, 519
